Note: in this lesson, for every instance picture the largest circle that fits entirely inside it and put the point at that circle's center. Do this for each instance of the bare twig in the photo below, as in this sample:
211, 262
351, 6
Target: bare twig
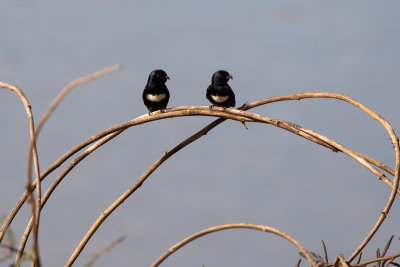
53, 186
325, 251
36, 205
53, 106
380, 257
8, 252
9, 247
377, 260
105, 250
342, 260
262, 228
387, 246
68, 89
359, 257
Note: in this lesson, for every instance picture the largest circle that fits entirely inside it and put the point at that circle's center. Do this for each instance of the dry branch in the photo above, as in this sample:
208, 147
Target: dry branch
68, 89
35, 206
262, 228
94, 138
241, 116
392, 257
236, 115
43, 120
395, 142
342, 260
105, 250
53, 186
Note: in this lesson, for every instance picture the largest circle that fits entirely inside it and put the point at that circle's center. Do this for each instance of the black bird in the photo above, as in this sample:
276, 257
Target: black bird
155, 94
219, 92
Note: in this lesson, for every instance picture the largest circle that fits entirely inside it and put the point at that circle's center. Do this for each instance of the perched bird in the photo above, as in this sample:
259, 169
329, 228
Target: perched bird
219, 92
155, 93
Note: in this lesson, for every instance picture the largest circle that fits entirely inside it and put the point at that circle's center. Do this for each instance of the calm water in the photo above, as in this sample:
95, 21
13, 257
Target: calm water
262, 175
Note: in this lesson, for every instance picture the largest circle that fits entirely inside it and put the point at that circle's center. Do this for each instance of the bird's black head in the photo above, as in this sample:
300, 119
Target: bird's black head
221, 77
158, 76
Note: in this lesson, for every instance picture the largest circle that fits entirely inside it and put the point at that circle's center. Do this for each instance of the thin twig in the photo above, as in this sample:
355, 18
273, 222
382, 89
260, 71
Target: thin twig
8, 252
262, 228
53, 186
342, 260
8, 247
325, 251
387, 246
378, 254
377, 260
36, 205
105, 250
359, 257
69, 87
56, 102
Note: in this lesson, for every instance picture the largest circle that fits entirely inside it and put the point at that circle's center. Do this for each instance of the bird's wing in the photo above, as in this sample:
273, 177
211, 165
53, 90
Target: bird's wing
145, 91
208, 93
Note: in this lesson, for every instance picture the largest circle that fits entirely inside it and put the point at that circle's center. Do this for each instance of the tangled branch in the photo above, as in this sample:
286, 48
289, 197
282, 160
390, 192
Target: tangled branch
239, 114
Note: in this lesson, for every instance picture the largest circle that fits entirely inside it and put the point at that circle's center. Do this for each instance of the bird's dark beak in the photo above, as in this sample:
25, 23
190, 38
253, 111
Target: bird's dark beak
166, 77
229, 77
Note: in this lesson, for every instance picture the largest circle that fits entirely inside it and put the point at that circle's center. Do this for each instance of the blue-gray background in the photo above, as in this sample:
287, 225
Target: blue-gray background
263, 175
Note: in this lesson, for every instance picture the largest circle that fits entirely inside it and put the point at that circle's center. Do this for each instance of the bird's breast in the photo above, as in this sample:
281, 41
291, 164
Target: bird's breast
219, 99
156, 97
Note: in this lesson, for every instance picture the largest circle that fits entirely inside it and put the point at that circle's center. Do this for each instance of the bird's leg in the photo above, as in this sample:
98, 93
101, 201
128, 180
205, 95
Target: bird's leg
211, 107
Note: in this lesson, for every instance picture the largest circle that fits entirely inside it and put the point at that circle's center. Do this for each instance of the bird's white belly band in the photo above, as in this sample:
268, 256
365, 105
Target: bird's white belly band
219, 99
156, 98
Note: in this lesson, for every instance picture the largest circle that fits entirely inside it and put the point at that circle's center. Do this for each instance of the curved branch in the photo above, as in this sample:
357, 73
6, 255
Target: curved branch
188, 111
68, 89
53, 186
33, 149
94, 138
241, 116
395, 142
232, 226
50, 110
342, 97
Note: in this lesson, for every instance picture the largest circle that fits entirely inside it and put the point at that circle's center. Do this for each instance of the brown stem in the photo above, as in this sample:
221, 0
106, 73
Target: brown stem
232, 226
51, 109
35, 206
